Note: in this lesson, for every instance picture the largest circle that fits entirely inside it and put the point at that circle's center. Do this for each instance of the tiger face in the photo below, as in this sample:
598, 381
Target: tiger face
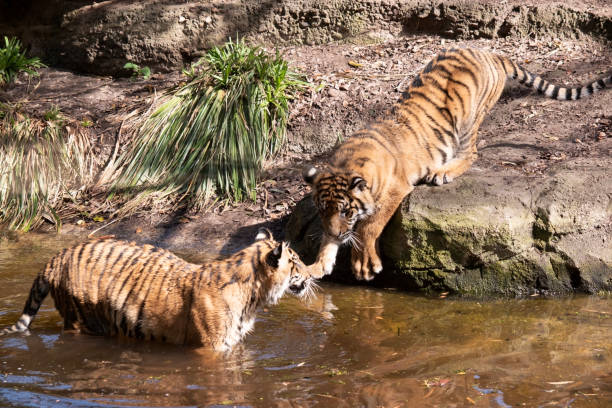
284, 270
342, 199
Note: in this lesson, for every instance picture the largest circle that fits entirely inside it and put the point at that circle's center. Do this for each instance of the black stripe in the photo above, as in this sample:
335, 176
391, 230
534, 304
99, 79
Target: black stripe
470, 72
233, 280
433, 121
437, 85
601, 83
443, 69
541, 86
92, 259
444, 155
167, 275
459, 83
79, 254
415, 116
439, 136
452, 57
114, 279
255, 260
471, 52
122, 326
138, 330
379, 142
578, 93
424, 96
140, 280
428, 67
590, 88
417, 81
525, 75
103, 267
555, 92
436, 106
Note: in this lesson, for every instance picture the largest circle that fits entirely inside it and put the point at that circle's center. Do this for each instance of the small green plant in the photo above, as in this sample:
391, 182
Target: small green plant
138, 71
214, 133
40, 159
86, 123
13, 61
53, 115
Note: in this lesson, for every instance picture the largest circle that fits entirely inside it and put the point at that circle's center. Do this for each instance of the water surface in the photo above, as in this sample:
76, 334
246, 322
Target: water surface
351, 346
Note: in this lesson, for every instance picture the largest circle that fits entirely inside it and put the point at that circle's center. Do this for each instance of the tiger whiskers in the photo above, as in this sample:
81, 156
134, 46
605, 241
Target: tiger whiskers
352, 239
311, 290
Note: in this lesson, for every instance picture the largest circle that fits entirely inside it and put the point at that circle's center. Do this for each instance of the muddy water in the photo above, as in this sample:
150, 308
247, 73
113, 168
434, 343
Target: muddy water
350, 347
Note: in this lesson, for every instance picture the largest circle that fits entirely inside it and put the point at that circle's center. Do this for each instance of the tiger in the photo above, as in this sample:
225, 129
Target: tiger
428, 136
116, 288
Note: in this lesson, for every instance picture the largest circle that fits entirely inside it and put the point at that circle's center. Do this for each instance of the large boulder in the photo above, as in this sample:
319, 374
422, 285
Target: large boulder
492, 234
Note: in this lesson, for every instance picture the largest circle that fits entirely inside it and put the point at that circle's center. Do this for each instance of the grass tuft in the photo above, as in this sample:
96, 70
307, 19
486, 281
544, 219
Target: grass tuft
41, 160
13, 61
213, 134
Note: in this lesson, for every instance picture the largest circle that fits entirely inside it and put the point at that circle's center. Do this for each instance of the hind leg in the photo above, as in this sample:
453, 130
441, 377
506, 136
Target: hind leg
457, 166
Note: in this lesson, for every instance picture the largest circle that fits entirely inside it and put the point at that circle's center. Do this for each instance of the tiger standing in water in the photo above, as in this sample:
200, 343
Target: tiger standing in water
429, 136
109, 287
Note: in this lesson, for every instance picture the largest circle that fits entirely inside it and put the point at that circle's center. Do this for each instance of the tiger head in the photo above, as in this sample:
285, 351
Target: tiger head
342, 198
283, 269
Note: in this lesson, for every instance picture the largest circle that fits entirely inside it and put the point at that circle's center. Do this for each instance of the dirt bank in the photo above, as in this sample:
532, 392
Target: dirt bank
100, 37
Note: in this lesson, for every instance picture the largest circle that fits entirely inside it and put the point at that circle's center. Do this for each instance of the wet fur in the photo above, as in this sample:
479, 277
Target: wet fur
110, 287
428, 137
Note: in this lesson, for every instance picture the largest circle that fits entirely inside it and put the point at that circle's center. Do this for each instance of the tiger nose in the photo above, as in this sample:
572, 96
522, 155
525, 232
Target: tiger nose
334, 229
298, 288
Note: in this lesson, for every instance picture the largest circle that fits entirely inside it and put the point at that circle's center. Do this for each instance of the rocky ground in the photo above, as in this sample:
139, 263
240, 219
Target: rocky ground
526, 137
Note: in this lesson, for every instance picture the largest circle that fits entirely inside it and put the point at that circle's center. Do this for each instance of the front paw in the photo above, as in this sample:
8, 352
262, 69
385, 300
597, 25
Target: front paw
365, 264
438, 179
320, 269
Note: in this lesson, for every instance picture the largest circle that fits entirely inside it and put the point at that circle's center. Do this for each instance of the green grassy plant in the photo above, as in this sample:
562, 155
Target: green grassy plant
40, 160
137, 70
213, 134
13, 61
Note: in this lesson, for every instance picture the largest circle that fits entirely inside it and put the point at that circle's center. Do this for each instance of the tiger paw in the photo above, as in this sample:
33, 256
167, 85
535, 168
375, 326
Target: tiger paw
437, 179
319, 269
365, 264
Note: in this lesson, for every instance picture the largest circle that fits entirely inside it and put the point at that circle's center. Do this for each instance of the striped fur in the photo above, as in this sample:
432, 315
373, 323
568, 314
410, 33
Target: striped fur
429, 136
109, 287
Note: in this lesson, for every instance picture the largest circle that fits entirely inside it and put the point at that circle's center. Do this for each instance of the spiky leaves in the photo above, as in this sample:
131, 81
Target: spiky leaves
13, 61
39, 161
214, 133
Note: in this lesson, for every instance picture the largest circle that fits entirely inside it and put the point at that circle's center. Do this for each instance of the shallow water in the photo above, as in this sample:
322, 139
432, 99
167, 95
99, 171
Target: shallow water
350, 347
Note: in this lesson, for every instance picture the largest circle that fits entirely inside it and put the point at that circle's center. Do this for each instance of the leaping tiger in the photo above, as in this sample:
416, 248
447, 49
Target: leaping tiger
430, 136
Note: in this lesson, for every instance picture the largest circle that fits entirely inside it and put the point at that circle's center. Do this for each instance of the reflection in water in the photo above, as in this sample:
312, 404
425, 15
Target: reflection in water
349, 347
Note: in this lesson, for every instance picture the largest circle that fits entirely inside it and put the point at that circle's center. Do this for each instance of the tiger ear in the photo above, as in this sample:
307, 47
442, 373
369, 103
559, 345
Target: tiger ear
262, 234
275, 255
358, 183
309, 174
